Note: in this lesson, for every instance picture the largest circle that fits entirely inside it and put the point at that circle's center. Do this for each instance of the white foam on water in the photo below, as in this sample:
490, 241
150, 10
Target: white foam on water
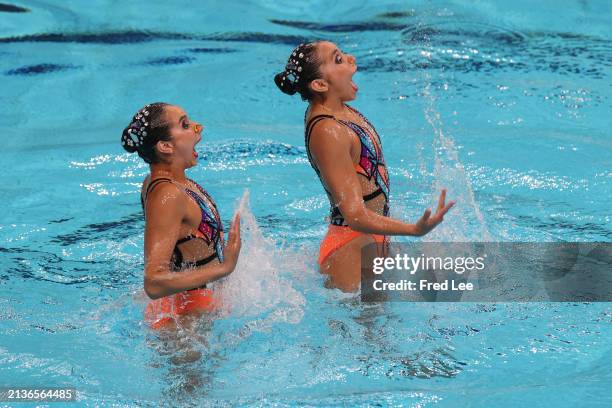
264, 278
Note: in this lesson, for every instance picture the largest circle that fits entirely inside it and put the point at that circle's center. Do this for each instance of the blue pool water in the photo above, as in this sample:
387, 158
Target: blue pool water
507, 104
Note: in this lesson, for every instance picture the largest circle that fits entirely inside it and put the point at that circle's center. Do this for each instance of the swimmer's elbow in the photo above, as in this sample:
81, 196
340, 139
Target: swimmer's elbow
153, 289
152, 292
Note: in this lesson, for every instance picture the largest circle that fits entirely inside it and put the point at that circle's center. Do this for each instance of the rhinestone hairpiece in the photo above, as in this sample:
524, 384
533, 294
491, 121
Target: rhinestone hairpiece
293, 67
137, 130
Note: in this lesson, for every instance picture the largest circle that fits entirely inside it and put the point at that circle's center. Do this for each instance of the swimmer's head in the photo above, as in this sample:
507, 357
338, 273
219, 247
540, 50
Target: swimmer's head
319, 70
161, 132
302, 67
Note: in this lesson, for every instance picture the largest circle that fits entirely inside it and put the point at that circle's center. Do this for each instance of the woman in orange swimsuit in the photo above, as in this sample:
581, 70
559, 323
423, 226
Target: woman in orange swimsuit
184, 248
346, 153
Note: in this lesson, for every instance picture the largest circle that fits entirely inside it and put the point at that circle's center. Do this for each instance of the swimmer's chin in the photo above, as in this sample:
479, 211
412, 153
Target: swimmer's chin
193, 161
353, 93
351, 97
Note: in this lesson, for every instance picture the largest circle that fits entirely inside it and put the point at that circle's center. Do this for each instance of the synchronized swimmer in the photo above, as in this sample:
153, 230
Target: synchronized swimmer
345, 151
184, 249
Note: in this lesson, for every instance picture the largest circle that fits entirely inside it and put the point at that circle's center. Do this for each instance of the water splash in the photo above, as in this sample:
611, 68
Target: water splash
465, 221
260, 285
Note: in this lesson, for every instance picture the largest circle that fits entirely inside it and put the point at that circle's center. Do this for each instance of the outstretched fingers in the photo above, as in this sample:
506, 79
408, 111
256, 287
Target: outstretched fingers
442, 207
237, 226
235, 230
426, 215
236, 222
442, 199
427, 222
448, 207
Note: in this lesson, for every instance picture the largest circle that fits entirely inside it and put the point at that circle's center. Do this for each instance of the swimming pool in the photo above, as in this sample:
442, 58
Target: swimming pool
500, 103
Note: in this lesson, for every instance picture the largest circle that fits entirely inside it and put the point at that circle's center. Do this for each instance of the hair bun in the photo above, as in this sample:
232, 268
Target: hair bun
285, 84
129, 147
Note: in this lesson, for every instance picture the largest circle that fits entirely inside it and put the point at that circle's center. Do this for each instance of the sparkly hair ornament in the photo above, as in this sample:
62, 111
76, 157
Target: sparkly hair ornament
146, 128
137, 130
293, 68
301, 68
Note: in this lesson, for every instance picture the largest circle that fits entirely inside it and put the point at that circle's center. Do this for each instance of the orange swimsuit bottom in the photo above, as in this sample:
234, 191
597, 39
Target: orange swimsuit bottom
160, 312
337, 236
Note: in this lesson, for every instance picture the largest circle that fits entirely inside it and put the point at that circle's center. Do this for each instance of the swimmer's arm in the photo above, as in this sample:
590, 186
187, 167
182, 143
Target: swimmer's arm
165, 213
330, 147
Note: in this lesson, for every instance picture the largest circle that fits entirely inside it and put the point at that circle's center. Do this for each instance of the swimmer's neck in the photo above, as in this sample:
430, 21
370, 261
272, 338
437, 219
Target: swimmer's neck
171, 171
334, 105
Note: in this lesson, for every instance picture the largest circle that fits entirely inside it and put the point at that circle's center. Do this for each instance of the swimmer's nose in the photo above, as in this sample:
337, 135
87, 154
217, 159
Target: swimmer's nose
352, 59
198, 128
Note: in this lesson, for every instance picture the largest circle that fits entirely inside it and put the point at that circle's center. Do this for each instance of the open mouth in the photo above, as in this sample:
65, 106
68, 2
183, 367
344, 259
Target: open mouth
353, 84
195, 154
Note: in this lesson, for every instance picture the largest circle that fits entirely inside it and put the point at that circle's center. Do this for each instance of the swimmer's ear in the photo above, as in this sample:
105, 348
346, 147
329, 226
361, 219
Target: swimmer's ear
319, 85
165, 147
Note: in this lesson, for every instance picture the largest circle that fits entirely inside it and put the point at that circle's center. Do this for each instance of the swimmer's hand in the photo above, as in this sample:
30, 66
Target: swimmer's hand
232, 248
427, 223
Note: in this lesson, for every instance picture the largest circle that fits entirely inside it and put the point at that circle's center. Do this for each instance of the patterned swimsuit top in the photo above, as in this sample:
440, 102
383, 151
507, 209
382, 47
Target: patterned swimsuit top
371, 163
210, 229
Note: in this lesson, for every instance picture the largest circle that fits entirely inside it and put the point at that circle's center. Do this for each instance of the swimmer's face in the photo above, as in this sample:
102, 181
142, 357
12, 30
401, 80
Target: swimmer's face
184, 135
337, 70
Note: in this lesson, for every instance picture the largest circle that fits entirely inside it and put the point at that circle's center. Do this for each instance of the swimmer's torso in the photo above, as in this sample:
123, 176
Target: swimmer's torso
368, 160
201, 232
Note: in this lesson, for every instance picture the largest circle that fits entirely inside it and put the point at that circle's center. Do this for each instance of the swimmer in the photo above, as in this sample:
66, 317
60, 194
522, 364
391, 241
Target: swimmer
184, 248
345, 151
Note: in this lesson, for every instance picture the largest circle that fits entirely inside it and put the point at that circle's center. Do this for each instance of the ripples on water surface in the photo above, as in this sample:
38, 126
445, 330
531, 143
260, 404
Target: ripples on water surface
505, 105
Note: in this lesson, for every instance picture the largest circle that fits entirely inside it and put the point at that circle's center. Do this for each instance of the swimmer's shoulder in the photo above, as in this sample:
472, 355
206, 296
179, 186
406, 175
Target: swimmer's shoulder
164, 193
322, 126
329, 141
330, 136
